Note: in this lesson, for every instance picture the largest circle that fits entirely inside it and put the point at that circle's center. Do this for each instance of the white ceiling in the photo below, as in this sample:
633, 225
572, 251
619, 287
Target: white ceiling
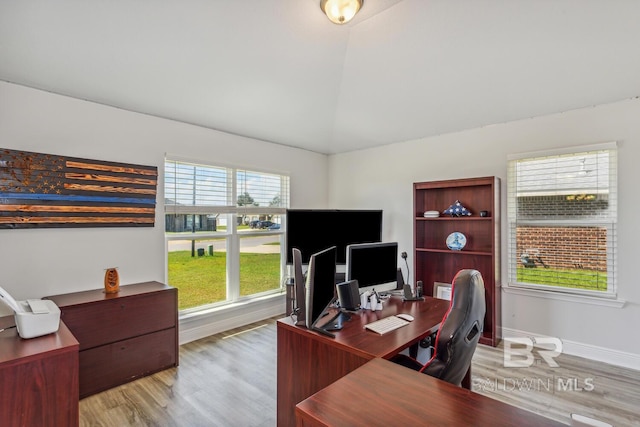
278, 70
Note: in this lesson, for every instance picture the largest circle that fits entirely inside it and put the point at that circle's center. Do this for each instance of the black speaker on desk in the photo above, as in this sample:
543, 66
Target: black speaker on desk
399, 279
349, 295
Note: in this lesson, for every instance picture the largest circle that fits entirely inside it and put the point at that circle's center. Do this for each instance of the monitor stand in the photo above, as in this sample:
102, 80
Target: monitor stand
323, 332
333, 322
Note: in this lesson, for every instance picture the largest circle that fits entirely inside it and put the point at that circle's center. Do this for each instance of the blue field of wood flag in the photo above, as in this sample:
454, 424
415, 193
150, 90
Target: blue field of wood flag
44, 191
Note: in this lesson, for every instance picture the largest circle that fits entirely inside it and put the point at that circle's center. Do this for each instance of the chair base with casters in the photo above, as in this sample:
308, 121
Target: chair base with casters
459, 332
425, 343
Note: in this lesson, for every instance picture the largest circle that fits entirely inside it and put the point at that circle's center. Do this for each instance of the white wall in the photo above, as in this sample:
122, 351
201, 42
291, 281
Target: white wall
35, 263
383, 177
39, 262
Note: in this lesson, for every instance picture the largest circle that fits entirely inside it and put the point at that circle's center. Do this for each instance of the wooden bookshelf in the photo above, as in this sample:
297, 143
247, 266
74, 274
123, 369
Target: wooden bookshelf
435, 262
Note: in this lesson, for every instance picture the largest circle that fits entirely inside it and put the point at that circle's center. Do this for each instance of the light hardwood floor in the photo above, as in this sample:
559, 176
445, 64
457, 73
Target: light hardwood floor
597, 390
229, 380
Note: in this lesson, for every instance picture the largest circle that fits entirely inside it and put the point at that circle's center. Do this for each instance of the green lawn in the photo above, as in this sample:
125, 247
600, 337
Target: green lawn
569, 278
202, 280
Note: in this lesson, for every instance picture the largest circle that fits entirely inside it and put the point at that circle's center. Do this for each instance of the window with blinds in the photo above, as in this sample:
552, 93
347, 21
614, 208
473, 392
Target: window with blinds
196, 195
562, 214
223, 232
262, 199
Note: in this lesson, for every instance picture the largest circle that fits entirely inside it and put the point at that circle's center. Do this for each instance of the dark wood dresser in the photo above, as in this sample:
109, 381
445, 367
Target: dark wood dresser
123, 336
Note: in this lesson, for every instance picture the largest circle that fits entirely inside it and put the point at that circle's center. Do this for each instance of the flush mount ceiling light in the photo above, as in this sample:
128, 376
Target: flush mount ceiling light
340, 11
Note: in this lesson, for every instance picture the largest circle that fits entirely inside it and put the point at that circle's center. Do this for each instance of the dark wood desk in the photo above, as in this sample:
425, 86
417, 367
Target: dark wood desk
38, 378
309, 361
382, 393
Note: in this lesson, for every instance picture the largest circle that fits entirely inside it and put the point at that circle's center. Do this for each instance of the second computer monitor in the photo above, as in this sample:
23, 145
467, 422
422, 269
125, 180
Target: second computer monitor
373, 265
320, 286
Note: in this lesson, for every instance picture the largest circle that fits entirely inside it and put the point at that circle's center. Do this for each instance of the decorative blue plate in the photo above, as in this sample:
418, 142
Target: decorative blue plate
456, 241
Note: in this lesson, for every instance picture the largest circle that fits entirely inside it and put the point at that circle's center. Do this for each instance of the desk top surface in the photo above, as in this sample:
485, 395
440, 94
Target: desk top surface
427, 314
383, 393
13, 348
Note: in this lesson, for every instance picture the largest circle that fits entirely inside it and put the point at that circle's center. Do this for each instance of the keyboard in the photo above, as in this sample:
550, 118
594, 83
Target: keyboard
386, 324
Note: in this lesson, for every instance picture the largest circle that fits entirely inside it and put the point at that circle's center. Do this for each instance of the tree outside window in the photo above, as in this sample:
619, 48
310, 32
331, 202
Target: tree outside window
214, 255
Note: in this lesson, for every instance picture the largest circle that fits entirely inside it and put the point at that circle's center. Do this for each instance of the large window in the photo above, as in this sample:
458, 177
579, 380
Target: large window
224, 232
562, 220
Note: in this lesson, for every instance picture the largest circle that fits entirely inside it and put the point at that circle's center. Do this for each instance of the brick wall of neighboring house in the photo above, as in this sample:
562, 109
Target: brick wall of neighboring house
565, 247
558, 246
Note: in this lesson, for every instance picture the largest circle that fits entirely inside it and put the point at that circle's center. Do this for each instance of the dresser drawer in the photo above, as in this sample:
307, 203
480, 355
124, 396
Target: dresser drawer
110, 365
108, 321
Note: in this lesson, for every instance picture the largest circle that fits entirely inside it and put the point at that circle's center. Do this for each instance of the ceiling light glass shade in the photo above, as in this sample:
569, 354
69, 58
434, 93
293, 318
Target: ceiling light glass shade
340, 11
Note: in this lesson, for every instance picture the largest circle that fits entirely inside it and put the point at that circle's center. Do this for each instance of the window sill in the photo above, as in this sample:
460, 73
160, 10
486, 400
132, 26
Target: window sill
202, 323
558, 296
223, 306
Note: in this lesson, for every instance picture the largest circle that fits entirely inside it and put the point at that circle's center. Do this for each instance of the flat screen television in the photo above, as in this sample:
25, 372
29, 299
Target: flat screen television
373, 265
320, 287
312, 230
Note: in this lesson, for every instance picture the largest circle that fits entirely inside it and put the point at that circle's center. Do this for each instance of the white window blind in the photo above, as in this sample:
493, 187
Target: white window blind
192, 188
562, 211
262, 192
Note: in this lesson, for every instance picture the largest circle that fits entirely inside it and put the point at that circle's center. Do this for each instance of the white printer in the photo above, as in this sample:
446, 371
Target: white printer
34, 317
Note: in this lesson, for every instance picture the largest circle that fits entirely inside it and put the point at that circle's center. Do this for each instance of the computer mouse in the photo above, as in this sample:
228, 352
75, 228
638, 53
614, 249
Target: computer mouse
405, 316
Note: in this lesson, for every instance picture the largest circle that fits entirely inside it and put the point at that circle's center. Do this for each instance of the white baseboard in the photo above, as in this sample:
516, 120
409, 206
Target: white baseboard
199, 325
588, 351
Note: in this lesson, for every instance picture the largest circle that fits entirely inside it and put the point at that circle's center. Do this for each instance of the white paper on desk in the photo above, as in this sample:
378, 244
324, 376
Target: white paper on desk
444, 293
8, 299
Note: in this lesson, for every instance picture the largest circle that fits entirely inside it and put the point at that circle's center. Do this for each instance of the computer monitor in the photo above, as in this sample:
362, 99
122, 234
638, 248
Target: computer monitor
373, 265
312, 230
299, 285
320, 289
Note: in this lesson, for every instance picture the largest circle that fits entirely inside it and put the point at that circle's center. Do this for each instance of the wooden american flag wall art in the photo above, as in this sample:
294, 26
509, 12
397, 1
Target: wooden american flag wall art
45, 191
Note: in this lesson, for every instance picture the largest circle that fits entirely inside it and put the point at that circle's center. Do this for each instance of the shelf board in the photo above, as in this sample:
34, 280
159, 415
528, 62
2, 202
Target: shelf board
454, 218
449, 251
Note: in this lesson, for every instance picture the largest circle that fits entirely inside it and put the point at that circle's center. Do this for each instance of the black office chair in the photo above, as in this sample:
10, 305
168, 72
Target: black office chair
459, 331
